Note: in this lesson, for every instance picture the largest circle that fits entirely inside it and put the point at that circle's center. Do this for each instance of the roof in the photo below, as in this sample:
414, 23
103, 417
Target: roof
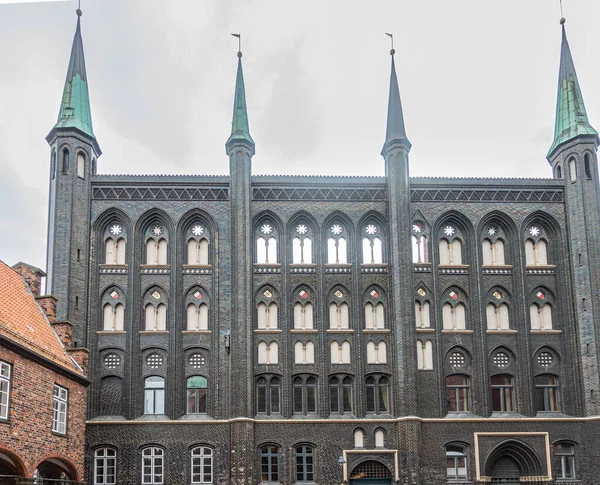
24, 322
240, 130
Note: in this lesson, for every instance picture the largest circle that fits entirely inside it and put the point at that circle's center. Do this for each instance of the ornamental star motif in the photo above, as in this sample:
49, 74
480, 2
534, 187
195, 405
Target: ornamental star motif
266, 229
417, 228
535, 231
156, 230
116, 229
492, 231
336, 229
197, 230
301, 229
449, 231
371, 229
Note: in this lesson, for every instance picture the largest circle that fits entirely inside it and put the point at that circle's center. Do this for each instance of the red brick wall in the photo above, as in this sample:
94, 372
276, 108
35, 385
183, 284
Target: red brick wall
28, 432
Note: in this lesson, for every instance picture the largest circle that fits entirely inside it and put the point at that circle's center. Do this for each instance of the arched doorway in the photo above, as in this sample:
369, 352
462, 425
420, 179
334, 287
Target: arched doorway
511, 460
371, 473
56, 471
11, 468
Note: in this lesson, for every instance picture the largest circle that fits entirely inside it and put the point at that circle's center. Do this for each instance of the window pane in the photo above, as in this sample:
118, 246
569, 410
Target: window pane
347, 398
333, 398
297, 399
311, 400
274, 396
370, 399
261, 399
383, 399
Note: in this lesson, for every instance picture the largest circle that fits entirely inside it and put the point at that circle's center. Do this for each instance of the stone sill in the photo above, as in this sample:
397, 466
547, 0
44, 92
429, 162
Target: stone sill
267, 330
542, 332
540, 266
453, 266
194, 266
377, 330
425, 330
195, 332
340, 330
458, 331
113, 266
496, 266
155, 266
502, 332
304, 330
111, 332
154, 332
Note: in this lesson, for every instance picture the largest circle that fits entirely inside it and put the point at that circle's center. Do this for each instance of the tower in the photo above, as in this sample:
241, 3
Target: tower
74, 151
240, 149
573, 158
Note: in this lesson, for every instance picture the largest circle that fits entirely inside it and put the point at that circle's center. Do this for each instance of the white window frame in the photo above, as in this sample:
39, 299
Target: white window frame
5, 377
203, 455
60, 408
102, 462
155, 458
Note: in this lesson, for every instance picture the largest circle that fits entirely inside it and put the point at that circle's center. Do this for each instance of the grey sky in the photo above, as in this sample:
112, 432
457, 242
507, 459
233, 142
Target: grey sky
477, 79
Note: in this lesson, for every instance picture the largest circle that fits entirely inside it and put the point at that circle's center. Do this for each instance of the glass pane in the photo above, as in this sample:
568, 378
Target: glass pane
197, 382
261, 400
274, 398
201, 401
297, 399
333, 399
370, 399
508, 400
191, 402
311, 400
383, 399
347, 396
496, 401
159, 403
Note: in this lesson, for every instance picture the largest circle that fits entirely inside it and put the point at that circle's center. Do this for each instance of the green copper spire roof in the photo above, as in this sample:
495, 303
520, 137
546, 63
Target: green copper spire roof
75, 106
395, 119
571, 117
240, 130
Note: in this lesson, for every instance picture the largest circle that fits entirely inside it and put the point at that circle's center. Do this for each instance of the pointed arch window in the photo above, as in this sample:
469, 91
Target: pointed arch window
536, 251
115, 250
304, 352
53, 165
377, 394
65, 162
340, 353
197, 310
303, 315
155, 310
337, 244
156, 245
80, 165
267, 316
540, 316
492, 246
114, 317
376, 352
268, 353
340, 394
424, 355
453, 316
305, 395
198, 240
372, 244
559, 172
302, 243
419, 243
450, 245
268, 395
267, 237
422, 314
497, 316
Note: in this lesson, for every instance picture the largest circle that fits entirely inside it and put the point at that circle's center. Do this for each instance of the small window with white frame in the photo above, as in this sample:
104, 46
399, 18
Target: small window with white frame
105, 466
456, 463
5, 375
565, 461
153, 464
59, 418
202, 464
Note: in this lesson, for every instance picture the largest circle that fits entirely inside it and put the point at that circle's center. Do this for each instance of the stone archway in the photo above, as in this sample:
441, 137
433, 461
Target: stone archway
11, 468
57, 470
371, 473
512, 460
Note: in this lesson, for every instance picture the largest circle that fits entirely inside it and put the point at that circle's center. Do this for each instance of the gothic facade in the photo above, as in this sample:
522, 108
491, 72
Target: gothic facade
373, 330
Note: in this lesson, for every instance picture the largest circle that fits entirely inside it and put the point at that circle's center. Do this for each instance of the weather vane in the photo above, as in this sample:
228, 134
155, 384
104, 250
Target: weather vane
391, 36
239, 38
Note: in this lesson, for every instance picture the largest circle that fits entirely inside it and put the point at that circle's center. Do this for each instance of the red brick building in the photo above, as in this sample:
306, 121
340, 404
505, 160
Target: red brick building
42, 386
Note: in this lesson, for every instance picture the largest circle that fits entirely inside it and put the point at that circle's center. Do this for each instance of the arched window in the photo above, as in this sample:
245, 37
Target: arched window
156, 245
374, 316
154, 395
114, 317
422, 314
559, 172
497, 317
565, 464
457, 392
536, 252
105, 466
153, 466
340, 395
266, 243
337, 247
268, 353
588, 166
540, 316
546, 393
302, 243
572, 170
378, 394
338, 316
65, 162
359, 438
305, 463
268, 395
379, 438
269, 464
197, 387
303, 316
201, 464
80, 166
419, 243
197, 244
450, 246
197, 317
493, 252
340, 353
372, 247
115, 251
304, 353
156, 317
305, 395
456, 463
453, 316
376, 353
503, 397
53, 165
424, 355
267, 316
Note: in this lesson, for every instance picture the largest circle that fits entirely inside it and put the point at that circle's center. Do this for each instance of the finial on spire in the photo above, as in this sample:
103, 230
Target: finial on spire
562, 15
239, 38
78, 11
391, 36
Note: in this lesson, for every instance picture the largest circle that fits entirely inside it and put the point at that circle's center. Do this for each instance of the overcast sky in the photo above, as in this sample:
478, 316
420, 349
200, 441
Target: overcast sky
477, 79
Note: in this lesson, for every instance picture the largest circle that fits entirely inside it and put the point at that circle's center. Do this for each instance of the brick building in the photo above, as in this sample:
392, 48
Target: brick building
280, 329
42, 387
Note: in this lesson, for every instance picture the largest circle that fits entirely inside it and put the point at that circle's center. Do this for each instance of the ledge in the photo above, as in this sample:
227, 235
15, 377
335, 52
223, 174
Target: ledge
425, 330
502, 332
111, 332
340, 330
154, 332
304, 330
458, 331
267, 330
195, 332
377, 330
549, 331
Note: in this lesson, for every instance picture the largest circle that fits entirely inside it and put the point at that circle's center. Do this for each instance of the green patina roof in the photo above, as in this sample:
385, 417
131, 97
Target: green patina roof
75, 106
395, 118
571, 117
240, 130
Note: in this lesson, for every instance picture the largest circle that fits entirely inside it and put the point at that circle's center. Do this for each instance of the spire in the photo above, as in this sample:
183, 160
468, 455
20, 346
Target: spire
571, 117
395, 119
75, 110
240, 130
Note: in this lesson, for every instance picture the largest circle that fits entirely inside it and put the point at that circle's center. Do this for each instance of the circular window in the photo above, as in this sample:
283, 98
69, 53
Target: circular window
154, 361
456, 359
111, 361
545, 359
197, 361
501, 359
